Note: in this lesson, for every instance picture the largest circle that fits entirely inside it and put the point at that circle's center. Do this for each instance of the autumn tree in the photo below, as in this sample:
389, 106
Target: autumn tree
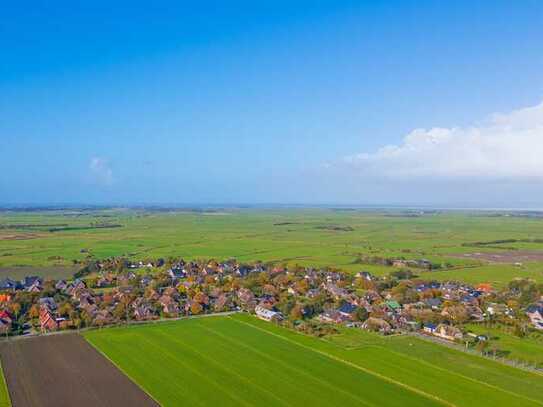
196, 308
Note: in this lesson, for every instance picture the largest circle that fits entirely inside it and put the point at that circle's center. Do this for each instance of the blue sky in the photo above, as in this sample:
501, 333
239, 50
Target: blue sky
421, 102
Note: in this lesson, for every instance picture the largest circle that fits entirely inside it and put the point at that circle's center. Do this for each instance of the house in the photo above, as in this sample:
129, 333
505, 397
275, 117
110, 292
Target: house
497, 309
429, 328
5, 322
448, 332
347, 310
333, 317
484, 287
9, 284
243, 270
61, 285
5, 298
245, 295
103, 317
393, 305
48, 302
475, 313
433, 303
5, 326
267, 315
74, 289
35, 287
365, 275
335, 291
30, 282
177, 272
143, 312
6, 316
48, 321
535, 313
169, 306
377, 324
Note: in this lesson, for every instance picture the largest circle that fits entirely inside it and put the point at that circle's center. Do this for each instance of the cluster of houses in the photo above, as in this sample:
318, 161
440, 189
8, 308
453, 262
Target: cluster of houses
145, 291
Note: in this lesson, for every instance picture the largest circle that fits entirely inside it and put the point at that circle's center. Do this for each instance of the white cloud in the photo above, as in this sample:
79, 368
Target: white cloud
505, 146
101, 171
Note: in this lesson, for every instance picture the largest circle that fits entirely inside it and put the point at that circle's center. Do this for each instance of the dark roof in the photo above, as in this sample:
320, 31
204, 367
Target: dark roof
9, 284
177, 272
433, 302
29, 280
535, 308
347, 308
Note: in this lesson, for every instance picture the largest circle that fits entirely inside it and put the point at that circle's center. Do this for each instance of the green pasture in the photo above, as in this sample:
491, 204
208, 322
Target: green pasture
4, 394
528, 349
223, 361
240, 360
316, 237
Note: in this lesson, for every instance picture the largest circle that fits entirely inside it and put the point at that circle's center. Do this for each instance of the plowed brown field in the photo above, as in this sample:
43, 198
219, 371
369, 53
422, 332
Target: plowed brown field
64, 370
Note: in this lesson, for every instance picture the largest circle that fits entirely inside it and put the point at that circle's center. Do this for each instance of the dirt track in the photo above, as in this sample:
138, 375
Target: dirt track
64, 370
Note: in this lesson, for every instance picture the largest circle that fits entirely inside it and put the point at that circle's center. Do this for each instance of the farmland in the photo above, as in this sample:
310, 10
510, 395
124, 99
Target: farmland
48, 242
528, 349
64, 370
239, 360
4, 394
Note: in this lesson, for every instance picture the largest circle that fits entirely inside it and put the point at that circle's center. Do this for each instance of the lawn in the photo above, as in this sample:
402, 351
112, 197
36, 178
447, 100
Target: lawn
240, 360
311, 237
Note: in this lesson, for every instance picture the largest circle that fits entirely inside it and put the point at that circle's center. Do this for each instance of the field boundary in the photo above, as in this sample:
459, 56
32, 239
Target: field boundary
460, 348
121, 370
111, 326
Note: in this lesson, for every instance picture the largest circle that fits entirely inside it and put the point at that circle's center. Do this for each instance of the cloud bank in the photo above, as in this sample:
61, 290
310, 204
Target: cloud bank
505, 146
101, 171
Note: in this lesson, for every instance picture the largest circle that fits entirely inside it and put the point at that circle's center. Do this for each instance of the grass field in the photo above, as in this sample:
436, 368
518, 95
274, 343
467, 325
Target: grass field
317, 237
4, 394
240, 360
527, 349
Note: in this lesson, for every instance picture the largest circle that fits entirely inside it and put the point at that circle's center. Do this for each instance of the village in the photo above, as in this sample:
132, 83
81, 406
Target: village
314, 301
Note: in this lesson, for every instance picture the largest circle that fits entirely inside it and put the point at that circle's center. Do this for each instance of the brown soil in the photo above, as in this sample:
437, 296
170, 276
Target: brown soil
513, 256
64, 370
27, 236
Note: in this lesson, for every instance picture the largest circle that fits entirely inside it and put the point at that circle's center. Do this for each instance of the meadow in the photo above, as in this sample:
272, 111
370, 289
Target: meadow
528, 349
4, 394
239, 360
48, 242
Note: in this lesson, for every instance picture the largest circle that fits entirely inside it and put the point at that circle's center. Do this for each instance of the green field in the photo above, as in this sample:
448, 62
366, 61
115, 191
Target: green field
528, 349
240, 360
316, 237
4, 394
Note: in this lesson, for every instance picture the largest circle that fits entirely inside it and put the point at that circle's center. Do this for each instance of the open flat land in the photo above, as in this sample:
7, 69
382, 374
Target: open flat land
239, 360
49, 241
528, 349
64, 370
